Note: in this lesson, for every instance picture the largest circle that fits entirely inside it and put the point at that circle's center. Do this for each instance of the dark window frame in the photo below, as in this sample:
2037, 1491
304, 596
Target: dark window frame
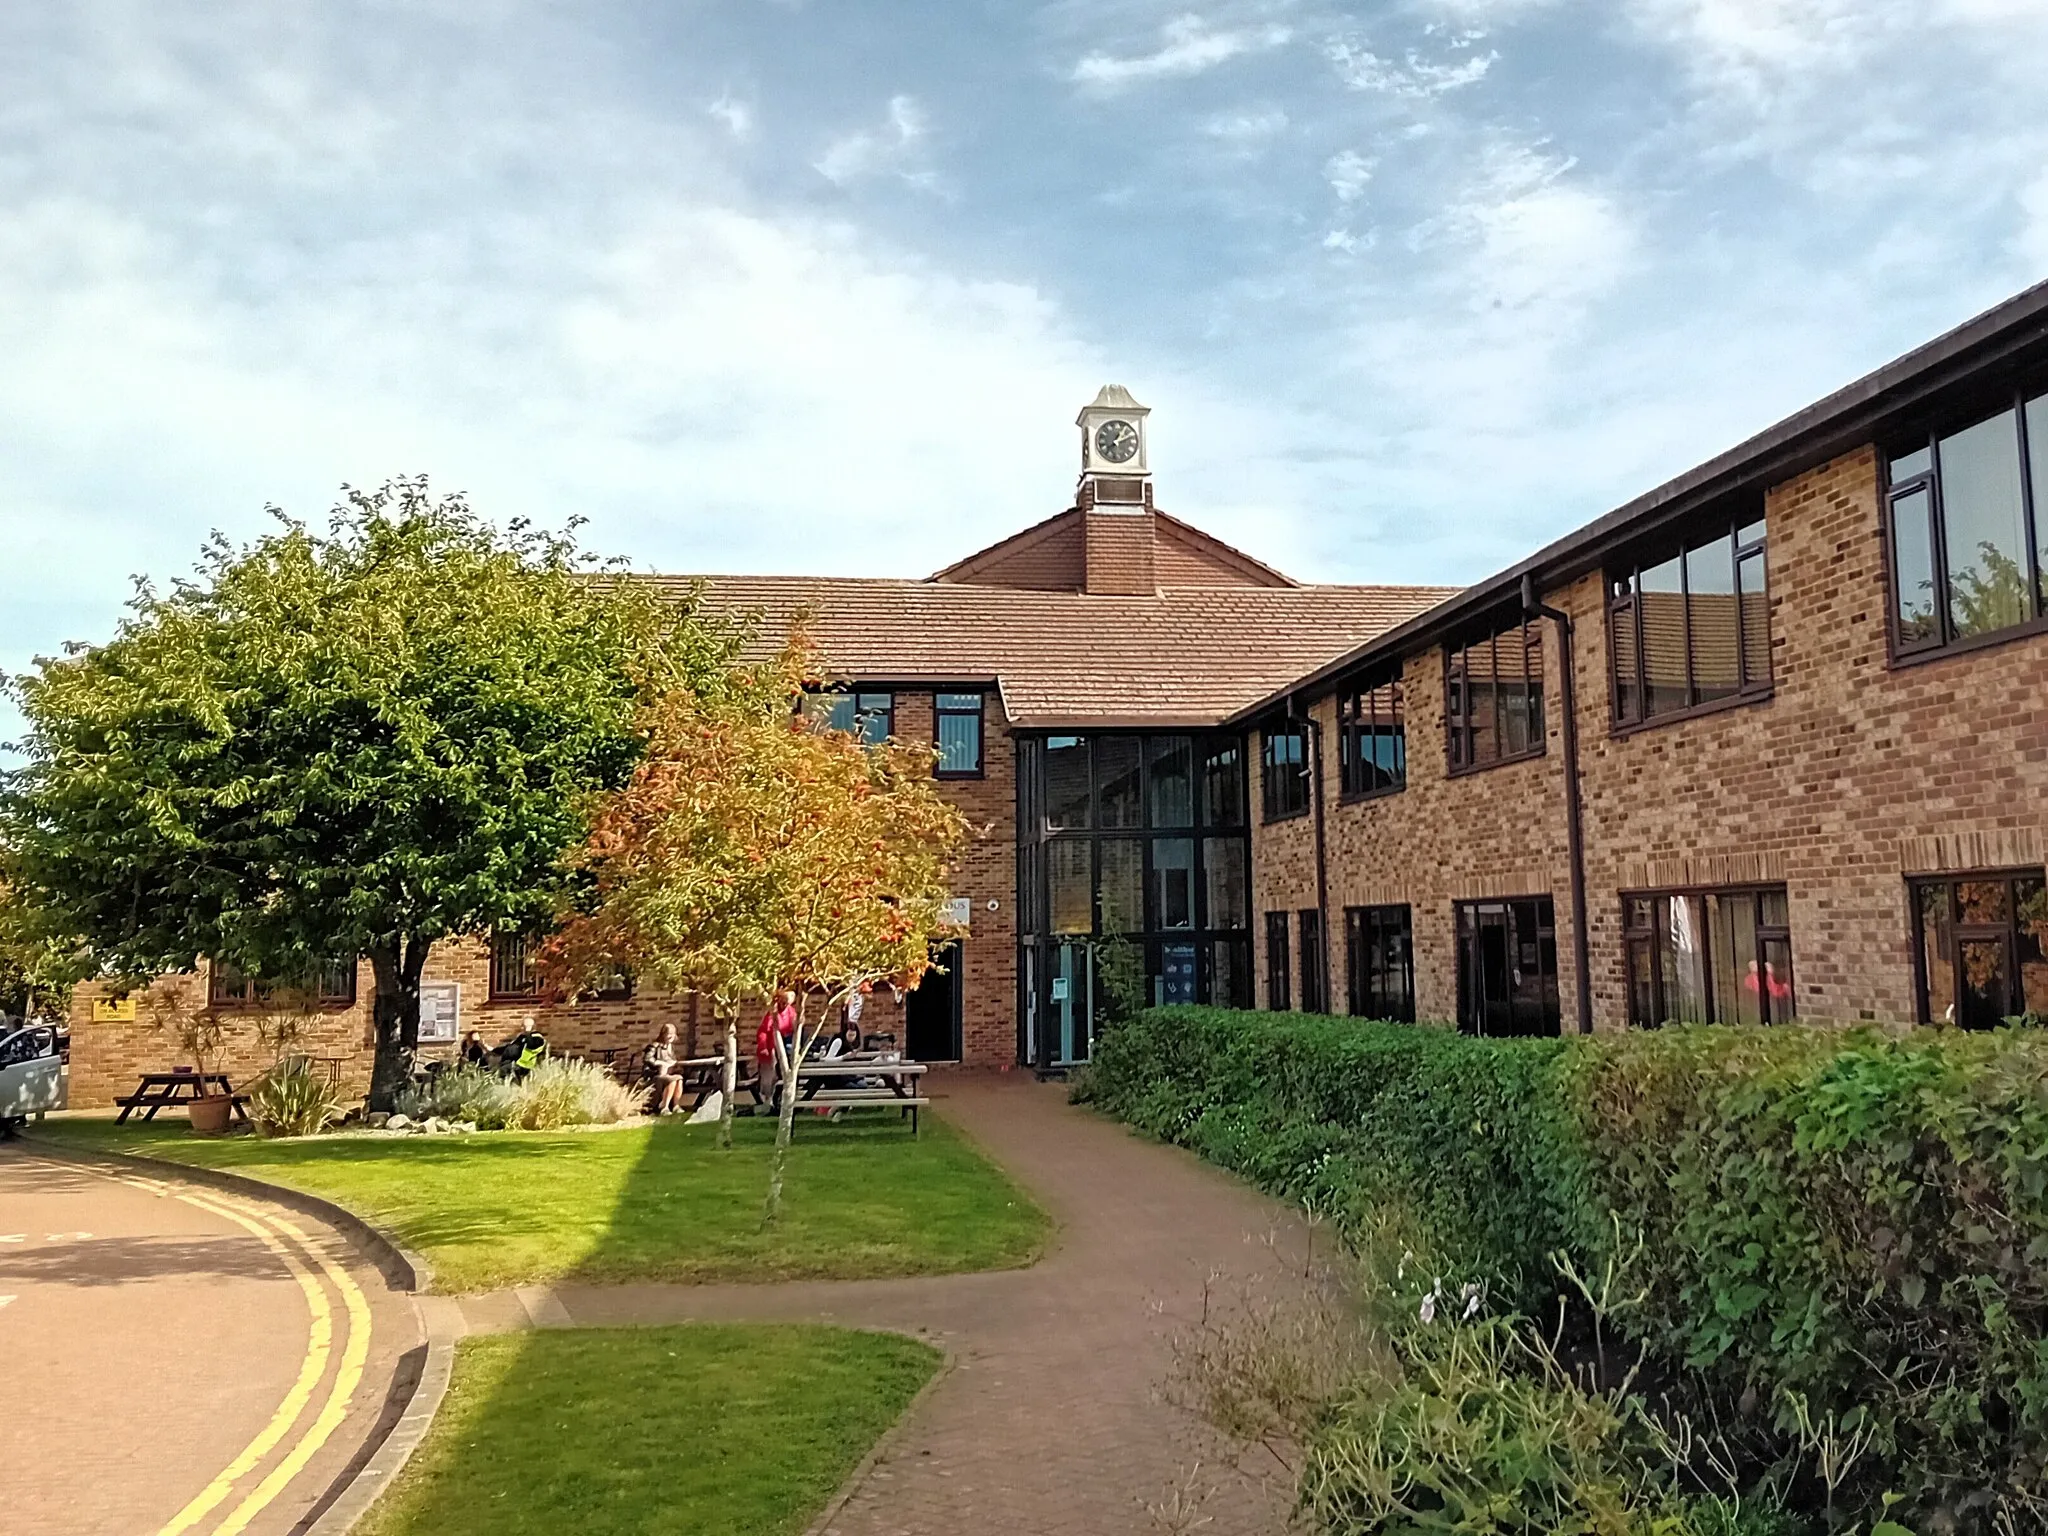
1274, 776
1460, 735
1900, 651
1625, 608
1550, 984
886, 712
1961, 933
979, 714
1315, 983
1279, 969
227, 989
1369, 974
1366, 712
1761, 934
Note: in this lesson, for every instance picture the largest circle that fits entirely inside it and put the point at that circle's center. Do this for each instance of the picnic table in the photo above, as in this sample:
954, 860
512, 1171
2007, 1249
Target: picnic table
159, 1090
834, 1082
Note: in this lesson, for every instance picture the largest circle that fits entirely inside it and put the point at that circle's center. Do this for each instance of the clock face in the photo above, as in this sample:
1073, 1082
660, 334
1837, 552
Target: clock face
1117, 441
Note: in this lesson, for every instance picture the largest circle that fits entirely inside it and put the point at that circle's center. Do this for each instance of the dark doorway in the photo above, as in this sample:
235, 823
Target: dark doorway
931, 1014
1507, 968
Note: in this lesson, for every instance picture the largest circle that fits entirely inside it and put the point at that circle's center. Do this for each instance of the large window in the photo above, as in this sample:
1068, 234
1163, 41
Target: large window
1507, 967
1372, 741
514, 972
1284, 770
1968, 516
957, 722
1379, 954
870, 716
1692, 627
1315, 986
333, 986
1981, 948
1708, 957
1278, 995
1494, 697
1133, 869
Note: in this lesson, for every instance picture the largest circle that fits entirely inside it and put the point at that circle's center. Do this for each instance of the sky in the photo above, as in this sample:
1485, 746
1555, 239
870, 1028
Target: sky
819, 286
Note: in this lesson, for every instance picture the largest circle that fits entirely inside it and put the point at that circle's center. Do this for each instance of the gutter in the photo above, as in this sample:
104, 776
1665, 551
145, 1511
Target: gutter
1574, 830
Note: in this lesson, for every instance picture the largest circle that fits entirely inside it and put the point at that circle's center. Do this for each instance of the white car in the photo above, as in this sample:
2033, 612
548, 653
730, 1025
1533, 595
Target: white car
31, 1073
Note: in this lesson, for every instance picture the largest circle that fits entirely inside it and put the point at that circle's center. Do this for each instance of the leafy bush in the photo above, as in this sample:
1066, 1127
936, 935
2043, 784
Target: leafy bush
292, 1099
1841, 1229
554, 1094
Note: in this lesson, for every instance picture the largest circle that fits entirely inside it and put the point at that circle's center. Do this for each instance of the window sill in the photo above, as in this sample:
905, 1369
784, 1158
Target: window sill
953, 774
1359, 797
1271, 819
1618, 728
1997, 637
1465, 771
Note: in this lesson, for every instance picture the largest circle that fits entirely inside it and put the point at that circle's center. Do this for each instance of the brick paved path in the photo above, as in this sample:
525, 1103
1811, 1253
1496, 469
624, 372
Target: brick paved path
1050, 1423
146, 1340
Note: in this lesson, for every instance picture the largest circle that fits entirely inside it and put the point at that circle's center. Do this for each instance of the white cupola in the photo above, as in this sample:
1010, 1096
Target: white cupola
1116, 466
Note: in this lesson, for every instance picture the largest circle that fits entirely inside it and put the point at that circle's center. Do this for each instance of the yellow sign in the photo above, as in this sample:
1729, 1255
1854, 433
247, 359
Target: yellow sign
113, 1010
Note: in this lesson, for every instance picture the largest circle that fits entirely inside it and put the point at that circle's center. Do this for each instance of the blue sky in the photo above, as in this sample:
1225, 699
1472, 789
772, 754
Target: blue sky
819, 286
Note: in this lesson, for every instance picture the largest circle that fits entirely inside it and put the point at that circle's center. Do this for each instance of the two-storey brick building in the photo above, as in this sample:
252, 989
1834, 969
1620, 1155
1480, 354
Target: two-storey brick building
1770, 741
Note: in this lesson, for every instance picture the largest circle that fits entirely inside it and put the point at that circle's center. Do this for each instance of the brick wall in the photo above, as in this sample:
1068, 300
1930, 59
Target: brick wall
1119, 553
1852, 776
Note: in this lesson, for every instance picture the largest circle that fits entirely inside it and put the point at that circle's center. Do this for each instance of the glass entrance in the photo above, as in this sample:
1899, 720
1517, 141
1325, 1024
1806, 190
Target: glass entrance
1507, 968
1070, 1004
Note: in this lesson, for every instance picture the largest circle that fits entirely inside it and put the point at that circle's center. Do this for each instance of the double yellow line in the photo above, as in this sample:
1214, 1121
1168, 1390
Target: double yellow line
302, 1256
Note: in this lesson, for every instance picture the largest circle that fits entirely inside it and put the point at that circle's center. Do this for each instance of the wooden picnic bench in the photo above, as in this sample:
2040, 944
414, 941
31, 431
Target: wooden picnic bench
831, 1083
160, 1090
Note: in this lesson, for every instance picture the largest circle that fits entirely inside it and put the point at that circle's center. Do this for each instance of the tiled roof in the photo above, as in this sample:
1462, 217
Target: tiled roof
1187, 656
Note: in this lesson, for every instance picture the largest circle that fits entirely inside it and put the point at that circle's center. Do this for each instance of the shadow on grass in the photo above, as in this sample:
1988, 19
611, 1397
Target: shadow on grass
698, 1430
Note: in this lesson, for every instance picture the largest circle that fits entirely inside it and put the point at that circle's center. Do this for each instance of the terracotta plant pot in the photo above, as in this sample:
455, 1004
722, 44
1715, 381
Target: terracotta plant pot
210, 1115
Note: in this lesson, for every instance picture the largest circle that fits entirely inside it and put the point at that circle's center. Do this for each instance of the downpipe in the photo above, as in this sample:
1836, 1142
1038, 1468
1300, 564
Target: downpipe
1574, 830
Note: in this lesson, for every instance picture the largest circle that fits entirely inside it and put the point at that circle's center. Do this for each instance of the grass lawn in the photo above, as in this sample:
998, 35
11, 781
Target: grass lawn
697, 1430
653, 1202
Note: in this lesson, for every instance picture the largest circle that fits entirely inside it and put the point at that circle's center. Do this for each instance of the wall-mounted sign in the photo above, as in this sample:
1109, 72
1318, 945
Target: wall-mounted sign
960, 912
114, 1010
1059, 989
440, 1012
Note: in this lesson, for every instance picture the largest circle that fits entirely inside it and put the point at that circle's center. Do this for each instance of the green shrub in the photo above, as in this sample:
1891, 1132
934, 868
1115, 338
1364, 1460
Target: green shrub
1852, 1227
556, 1093
292, 1099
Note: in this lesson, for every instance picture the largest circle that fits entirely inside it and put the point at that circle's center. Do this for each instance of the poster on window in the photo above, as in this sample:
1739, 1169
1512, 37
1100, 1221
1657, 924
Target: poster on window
440, 1012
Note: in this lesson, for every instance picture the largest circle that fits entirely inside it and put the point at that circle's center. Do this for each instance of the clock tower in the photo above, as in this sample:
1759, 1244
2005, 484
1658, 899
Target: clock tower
1116, 469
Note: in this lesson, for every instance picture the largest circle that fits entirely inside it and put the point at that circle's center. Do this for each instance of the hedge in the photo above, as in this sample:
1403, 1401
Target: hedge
1856, 1219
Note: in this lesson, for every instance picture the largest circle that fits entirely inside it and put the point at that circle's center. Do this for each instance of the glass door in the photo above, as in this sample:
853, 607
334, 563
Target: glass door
1070, 992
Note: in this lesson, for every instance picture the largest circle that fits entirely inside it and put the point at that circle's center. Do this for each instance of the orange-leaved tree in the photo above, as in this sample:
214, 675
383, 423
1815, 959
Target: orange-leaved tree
757, 850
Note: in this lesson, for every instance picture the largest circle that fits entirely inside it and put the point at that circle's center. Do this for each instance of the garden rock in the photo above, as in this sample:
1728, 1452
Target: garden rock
397, 1122
709, 1110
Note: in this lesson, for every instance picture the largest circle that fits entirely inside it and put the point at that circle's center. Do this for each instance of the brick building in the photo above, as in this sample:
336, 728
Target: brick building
1801, 767
1769, 741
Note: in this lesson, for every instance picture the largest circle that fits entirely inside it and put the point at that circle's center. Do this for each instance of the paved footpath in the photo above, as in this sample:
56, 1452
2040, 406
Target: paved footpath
1050, 1422
180, 1359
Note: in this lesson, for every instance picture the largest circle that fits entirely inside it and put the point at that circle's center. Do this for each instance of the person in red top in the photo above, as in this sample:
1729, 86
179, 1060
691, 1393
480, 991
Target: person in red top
780, 1019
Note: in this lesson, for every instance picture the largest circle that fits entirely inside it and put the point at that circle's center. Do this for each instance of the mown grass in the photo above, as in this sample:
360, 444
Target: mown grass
654, 1202
698, 1430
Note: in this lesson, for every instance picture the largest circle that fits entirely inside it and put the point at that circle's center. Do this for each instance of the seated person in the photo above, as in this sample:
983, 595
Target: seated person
474, 1052
662, 1069
846, 1041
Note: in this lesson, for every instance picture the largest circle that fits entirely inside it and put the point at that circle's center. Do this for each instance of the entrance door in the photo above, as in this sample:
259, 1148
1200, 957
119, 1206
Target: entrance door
1070, 986
1507, 968
931, 1013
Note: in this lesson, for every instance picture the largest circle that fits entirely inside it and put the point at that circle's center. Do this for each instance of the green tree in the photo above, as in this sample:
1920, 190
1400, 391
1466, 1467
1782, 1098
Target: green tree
361, 742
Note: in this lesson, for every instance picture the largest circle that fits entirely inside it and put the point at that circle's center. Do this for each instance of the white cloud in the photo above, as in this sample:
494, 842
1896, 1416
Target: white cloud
1414, 79
737, 116
871, 151
1348, 173
2032, 242
1344, 240
1538, 238
1246, 127
1187, 46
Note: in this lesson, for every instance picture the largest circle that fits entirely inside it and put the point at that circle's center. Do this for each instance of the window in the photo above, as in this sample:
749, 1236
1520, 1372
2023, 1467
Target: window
1379, 953
1708, 957
1277, 998
333, 987
1692, 629
957, 720
1315, 991
1283, 773
1372, 741
870, 716
1967, 514
1494, 698
513, 973
1981, 948
1507, 967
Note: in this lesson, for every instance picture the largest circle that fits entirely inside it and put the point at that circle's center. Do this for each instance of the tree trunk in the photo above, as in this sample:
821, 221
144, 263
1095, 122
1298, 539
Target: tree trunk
395, 1016
785, 1122
732, 1080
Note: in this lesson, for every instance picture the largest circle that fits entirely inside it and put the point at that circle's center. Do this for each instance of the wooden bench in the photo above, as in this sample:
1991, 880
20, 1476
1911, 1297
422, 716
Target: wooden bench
831, 1084
160, 1090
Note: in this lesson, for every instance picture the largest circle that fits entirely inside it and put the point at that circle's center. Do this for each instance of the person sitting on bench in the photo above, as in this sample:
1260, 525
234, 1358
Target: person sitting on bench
664, 1072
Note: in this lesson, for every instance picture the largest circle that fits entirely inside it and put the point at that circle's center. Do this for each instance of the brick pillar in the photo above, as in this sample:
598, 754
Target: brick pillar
1119, 553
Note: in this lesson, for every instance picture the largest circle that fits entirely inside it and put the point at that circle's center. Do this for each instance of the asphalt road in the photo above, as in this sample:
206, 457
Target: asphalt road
176, 1359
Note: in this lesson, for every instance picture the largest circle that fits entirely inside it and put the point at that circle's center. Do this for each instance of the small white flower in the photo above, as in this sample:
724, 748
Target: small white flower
1428, 1312
1471, 1302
